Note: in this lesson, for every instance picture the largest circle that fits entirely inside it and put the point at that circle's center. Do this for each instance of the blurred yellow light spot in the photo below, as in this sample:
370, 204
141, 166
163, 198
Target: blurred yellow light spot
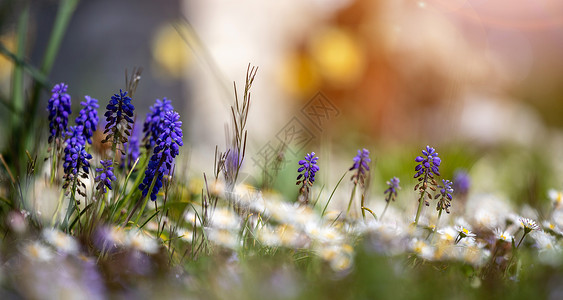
170, 52
339, 56
195, 185
299, 75
9, 41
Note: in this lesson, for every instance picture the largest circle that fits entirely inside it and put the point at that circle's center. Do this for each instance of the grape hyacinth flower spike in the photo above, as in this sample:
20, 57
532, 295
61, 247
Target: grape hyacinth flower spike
427, 168
308, 168
462, 183
119, 117
105, 176
59, 111
391, 192
76, 158
166, 149
361, 165
154, 121
88, 117
445, 196
76, 165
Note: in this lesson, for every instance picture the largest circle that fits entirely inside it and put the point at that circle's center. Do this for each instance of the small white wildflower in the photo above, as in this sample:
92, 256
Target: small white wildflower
422, 249
192, 218
476, 256
38, 252
464, 232
460, 221
185, 234
61, 241
547, 225
528, 224
223, 237
223, 218
268, 236
152, 226
488, 211
258, 203
323, 234
116, 235
544, 241
139, 240
448, 234
502, 235
549, 250
556, 198
289, 236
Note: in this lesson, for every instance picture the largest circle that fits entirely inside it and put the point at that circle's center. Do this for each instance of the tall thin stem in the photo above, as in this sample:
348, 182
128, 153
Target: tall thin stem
351, 198
421, 199
386, 205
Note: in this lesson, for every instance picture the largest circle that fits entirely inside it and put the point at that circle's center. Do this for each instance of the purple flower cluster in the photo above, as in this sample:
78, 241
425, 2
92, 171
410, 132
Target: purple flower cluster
59, 111
427, 168
119, 112
105, 176
428, 163
76, 158
462, 182
154, 121
445, 195
167, 148
88, 117
361, 164
308, 170
392, 190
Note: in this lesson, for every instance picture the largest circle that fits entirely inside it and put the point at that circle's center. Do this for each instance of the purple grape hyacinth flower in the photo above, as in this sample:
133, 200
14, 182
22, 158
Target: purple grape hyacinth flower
154, 121
167, 148
428, 164
308, 169
445, 195
361, 160
105, 176
427, 168
76, 158
392, 190
361, 163
88, 117
462, 182
119, 112
59, 111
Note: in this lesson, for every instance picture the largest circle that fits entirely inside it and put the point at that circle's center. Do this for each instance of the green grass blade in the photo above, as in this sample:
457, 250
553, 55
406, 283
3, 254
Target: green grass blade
17, 76
334, 190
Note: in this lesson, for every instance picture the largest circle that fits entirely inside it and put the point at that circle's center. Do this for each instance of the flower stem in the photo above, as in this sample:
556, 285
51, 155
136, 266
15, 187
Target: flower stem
523, 236
386, 205
436, 226
54, 161
71, 203
362, 206
421, 199
419, 208
351, 199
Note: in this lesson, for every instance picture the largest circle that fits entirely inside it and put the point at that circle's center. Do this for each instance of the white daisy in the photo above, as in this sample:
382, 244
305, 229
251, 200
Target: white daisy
502, 235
